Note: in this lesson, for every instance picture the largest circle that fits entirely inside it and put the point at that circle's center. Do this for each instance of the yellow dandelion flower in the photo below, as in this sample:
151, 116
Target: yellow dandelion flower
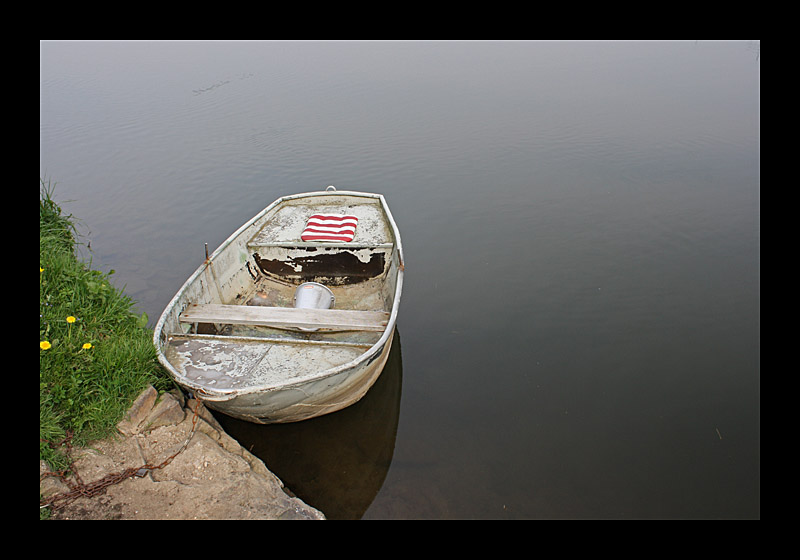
44, 345
70, 319
87, 346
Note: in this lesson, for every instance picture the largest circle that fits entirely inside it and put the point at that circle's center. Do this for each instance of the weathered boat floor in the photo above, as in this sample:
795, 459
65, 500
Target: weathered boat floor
364, 296
223, 363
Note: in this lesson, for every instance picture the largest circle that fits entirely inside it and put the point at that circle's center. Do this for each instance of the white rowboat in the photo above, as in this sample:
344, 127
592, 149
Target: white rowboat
289, 319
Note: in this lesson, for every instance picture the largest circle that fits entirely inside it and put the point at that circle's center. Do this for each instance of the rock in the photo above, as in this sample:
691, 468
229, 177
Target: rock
213, 477
50, 485
178, 396
167, 411
141, 407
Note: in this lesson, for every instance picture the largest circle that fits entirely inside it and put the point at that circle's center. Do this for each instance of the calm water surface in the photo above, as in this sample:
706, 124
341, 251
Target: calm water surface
581, 221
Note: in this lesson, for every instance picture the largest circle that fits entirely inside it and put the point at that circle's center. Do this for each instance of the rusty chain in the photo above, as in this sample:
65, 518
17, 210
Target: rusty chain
79, 489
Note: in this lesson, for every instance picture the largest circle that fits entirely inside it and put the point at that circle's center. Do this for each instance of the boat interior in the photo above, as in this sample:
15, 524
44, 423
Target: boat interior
245, 296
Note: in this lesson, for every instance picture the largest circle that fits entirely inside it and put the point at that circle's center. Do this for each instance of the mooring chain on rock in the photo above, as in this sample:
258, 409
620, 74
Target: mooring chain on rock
79, 489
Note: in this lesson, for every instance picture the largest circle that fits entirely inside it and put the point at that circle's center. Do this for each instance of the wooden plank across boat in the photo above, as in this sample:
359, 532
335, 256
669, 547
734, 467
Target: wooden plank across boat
236, 337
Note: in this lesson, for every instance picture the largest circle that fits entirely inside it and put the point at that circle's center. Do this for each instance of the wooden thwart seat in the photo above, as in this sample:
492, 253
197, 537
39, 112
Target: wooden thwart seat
344, 319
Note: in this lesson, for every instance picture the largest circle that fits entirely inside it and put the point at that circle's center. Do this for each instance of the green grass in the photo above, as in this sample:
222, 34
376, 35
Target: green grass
95, 353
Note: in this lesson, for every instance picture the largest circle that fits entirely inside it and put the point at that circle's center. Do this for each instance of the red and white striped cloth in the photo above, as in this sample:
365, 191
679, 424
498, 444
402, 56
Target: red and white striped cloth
330, 227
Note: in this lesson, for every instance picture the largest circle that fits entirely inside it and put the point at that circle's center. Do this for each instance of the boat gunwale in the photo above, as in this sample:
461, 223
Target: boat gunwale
217, 395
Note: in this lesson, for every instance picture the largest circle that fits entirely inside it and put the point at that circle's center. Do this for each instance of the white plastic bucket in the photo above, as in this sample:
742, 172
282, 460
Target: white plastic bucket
312, 295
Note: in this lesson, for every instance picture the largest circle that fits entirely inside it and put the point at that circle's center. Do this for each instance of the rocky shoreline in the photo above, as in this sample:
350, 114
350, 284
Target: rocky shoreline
210, 476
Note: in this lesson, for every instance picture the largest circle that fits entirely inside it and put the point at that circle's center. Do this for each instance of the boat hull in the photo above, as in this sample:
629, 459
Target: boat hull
266, 375
308, 399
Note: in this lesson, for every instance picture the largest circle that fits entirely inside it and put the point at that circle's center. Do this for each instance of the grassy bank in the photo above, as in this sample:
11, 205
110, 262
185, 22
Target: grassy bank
95, 353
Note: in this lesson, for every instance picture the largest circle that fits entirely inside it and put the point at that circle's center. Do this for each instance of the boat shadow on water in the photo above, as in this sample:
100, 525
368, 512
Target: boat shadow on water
336, 463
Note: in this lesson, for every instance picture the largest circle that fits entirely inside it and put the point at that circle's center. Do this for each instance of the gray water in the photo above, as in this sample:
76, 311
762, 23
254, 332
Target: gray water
580, 320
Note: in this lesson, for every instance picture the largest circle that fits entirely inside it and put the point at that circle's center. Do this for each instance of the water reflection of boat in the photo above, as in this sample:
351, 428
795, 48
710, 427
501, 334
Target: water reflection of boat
337, 462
